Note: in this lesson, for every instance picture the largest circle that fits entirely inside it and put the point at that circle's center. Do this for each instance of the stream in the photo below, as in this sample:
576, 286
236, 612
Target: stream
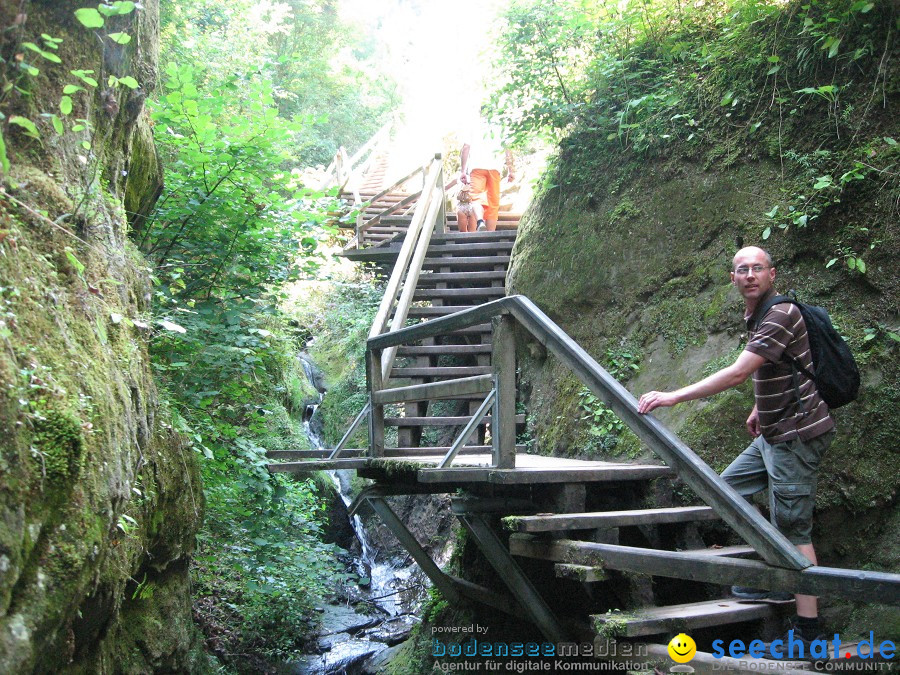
380, 610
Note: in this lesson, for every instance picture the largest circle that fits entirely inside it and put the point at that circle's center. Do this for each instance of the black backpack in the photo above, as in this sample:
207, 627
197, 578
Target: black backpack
834, 369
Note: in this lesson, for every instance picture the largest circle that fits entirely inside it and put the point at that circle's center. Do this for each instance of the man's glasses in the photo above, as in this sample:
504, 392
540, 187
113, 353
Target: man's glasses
743, 270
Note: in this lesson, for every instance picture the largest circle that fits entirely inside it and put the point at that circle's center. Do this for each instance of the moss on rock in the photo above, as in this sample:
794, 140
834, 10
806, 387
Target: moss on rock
95, 487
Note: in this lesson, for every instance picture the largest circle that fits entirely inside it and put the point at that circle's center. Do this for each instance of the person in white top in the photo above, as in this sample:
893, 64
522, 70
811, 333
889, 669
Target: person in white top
481, 172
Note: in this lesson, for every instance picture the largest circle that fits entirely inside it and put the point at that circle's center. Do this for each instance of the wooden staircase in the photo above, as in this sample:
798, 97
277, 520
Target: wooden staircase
460, 271
572, 541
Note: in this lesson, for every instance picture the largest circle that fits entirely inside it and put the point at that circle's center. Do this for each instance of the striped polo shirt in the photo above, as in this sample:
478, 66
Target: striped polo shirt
782, 332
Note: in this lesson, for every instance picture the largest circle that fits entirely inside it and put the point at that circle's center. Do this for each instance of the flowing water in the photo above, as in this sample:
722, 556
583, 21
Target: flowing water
390, 589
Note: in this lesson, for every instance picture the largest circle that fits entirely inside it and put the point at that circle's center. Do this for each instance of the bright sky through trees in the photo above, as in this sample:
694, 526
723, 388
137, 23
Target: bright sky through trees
437, 51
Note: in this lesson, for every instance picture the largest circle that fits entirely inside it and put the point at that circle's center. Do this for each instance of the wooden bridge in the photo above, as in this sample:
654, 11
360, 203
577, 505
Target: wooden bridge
566, 537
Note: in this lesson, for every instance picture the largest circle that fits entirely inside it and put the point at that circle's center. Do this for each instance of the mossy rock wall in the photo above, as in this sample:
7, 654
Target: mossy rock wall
632, 252
99, 498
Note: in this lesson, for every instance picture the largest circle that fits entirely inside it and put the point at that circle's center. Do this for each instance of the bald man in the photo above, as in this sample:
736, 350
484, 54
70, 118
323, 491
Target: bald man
790, 423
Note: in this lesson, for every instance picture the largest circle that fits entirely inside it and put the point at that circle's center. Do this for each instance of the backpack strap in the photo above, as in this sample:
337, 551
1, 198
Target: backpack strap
796, 367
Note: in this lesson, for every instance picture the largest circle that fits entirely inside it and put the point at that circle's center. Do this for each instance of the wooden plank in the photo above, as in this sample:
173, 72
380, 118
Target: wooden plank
483, 236
477, 261
456, 293
436, 421
462, 277
440, 350
321, 453
680, 618
460, 247
437, 311
528, 475
467, 320
859, 585
430, 451
582, 573
607, 519
503, 358
440, 371
465, 386
376, 414
319, 465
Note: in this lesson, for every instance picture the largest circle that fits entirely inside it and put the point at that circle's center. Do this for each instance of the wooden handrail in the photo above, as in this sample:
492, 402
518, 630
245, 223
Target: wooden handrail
397, 184
343, 168
412, 276
403, 258
734, 509
406, 201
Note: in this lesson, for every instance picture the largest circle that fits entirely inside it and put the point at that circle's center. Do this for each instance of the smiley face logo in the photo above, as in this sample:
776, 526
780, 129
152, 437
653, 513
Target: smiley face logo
682, 648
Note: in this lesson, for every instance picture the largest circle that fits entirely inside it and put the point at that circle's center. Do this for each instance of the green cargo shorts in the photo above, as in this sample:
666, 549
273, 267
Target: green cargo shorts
788, 470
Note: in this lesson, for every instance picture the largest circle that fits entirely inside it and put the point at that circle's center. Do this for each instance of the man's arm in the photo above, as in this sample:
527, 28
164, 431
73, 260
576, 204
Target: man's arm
747, 364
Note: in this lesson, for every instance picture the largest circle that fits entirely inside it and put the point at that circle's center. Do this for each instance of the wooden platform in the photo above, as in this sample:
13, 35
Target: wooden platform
476, 468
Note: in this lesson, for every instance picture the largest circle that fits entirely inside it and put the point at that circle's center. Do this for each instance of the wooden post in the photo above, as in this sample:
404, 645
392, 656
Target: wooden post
512, 575
503, 433
376, 416
443, 583
441, 226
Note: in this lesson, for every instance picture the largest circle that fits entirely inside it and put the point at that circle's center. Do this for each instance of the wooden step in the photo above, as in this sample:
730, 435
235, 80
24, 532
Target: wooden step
462, 247
463, 262
503, 216
593, 472
482, 294
609, 519
711, 565
674, 619
440, 371
480, 328
353, 453
437, 421
439, 350
462, 277
483, 235
440, 310
582, 573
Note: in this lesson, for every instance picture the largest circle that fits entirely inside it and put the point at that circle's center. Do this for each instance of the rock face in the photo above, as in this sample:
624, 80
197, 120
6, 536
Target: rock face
99, 499
632, 260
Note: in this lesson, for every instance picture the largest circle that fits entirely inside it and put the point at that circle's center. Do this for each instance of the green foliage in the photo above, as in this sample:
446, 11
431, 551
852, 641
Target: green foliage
322, 71
340, 317
232, 229
653, 78
21, 63
233, 216
604, 428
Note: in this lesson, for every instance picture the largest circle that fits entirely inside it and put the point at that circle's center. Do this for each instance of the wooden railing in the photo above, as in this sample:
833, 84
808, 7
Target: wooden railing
344, 172
429, 217
520, 311
363, 225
